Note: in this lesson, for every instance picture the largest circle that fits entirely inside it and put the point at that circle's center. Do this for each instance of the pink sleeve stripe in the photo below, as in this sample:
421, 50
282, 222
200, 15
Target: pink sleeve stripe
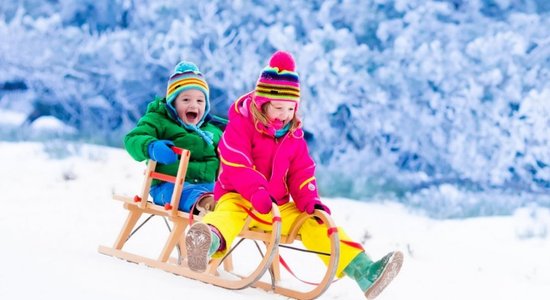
236, 165
224, 141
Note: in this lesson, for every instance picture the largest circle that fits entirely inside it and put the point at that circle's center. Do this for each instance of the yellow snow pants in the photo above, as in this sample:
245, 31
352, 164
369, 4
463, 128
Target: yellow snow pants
229, 218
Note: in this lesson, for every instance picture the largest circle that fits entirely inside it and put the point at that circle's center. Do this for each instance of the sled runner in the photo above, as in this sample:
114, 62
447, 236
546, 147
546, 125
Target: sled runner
242, 266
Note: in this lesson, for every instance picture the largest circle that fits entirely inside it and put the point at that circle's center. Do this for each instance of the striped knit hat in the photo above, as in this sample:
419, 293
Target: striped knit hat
187, 76
278, 81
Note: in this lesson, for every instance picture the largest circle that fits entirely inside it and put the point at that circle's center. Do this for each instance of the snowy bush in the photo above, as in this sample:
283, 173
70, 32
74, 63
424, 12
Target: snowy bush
400, 97
532, 222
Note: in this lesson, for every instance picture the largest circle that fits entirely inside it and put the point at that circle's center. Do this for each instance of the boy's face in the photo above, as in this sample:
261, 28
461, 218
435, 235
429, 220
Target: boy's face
190, 106
280, 112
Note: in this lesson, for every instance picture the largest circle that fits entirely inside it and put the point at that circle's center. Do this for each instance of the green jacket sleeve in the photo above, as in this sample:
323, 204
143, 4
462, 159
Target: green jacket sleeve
137, 140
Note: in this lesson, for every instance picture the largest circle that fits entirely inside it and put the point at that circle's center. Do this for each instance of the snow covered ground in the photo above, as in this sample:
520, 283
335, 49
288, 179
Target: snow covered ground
57, 208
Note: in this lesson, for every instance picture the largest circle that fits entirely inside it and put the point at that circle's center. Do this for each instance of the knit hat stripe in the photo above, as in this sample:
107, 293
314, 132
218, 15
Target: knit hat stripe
271, 97
187, 82
193, 78
277, 86
278, 81
187, 74
280, 72
173, 96
278, 92
272, 92
291, 79
268, 94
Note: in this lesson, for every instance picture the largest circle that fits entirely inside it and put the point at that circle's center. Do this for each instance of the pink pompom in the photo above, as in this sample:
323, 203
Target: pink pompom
282, 60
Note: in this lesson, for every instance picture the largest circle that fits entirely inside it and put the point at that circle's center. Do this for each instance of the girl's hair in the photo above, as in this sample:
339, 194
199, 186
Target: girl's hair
261, 117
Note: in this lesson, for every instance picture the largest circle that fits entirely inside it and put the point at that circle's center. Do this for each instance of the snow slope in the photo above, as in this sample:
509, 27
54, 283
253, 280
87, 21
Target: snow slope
57, 209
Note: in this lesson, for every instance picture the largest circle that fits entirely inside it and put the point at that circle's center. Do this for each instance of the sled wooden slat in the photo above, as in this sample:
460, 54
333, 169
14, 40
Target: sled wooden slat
137, 207
147, 180
181, 270
150, 208
129, 224
209, 276
180, 177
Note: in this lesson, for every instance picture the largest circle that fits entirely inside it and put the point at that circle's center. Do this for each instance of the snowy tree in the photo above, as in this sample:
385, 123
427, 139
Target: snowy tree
401, 98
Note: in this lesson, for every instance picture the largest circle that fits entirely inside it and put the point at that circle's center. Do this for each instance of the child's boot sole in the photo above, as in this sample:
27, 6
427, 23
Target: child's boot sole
197, 243
389, 273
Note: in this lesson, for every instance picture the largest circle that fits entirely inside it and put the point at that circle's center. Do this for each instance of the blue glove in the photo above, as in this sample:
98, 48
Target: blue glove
161, 152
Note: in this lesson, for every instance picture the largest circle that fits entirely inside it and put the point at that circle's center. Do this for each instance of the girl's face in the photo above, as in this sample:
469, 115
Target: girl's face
280, 113
190, 106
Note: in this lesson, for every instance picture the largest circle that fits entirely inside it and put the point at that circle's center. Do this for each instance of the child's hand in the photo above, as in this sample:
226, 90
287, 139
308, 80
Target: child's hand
261, 201
311, 206
161, 152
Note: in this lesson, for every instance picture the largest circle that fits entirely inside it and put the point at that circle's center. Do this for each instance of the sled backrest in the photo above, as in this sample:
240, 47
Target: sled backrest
178, 181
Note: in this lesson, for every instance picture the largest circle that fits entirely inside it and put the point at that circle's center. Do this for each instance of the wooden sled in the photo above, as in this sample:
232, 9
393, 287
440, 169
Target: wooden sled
267, 243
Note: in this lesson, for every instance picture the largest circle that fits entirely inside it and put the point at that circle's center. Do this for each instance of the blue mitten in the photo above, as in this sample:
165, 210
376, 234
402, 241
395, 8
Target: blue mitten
161, 152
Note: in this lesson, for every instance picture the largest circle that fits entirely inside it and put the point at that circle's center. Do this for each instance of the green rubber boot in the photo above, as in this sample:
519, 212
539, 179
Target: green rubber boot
373, 277
215, 244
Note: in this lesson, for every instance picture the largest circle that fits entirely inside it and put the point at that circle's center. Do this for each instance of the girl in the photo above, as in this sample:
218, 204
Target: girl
181, 119
264, 159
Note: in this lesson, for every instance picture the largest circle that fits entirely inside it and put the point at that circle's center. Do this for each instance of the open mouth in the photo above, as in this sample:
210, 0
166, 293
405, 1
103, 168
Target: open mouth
191, 116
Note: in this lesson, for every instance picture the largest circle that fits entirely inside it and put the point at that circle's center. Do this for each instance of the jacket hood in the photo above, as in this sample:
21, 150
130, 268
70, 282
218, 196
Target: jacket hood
242, 107
158, 105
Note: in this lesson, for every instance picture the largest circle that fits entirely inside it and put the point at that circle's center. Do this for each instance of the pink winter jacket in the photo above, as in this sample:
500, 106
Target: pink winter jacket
252, 158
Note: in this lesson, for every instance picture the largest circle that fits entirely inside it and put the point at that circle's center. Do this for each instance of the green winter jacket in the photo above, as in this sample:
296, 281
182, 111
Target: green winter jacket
157, 124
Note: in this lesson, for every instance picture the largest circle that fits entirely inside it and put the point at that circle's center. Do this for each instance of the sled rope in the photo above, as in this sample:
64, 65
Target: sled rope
287, 267
256, 218
140, 225
305, 250
167, 225
330, 231
233, 248
145, 222
352, 244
